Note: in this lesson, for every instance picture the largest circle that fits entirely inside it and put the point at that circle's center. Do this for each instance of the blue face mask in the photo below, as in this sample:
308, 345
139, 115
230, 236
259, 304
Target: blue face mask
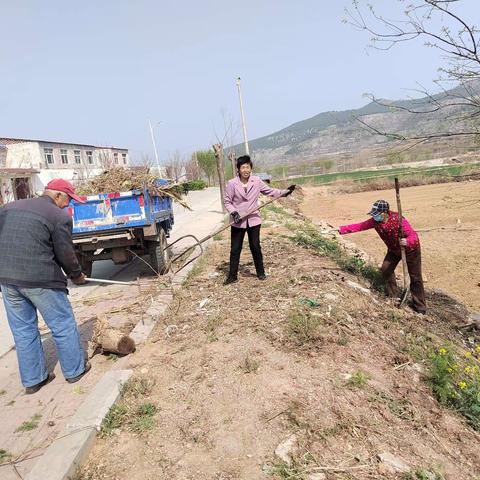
378, 217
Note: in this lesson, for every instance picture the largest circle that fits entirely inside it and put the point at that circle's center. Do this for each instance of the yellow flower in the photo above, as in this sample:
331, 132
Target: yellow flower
442, 351
468, 369
477, 348
450, 370
462, 385
455, 367
468, 354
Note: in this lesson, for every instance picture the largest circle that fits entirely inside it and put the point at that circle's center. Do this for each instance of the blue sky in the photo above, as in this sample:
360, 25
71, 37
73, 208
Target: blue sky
97, 71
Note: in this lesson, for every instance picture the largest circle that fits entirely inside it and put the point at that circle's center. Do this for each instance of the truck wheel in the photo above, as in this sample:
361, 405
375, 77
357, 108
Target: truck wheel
86, 266
158, 254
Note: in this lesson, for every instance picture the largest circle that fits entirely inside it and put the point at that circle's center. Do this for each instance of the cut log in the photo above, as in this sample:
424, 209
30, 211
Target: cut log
111, 340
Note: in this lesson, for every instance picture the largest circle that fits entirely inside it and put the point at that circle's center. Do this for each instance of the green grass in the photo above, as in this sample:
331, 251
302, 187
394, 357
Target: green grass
388, 174
115, 418
422, 474
29, 425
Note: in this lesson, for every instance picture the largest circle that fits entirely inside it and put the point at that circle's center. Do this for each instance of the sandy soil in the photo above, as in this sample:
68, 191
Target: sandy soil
450, 251
237, 376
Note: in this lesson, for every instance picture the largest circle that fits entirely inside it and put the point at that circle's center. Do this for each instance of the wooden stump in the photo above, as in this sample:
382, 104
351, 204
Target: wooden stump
111, 340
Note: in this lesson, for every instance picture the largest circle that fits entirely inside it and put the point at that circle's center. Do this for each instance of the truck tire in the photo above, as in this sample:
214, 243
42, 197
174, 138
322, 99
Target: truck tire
158, 255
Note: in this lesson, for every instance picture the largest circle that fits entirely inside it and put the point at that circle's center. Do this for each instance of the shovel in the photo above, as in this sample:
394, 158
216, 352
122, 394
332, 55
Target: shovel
406, 286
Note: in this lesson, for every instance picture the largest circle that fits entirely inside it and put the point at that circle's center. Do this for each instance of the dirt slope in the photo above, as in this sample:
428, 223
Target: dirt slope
304, 353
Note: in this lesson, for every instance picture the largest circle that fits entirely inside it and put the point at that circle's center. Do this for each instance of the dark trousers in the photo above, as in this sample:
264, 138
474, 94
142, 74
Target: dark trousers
237, 236
414, 265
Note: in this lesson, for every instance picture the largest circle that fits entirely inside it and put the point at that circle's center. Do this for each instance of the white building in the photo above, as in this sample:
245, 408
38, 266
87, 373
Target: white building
26, 166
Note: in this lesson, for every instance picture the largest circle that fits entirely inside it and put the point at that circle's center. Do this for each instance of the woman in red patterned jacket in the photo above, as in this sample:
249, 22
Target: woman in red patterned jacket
386, 223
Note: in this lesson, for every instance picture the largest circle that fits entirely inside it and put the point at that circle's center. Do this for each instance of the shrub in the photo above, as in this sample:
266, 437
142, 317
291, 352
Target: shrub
194, 185
455, 382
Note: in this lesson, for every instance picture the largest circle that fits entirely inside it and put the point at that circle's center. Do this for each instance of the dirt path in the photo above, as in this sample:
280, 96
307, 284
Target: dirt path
451, 259
235, 371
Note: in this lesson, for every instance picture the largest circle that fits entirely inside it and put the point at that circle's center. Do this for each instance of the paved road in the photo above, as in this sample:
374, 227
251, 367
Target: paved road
205, 214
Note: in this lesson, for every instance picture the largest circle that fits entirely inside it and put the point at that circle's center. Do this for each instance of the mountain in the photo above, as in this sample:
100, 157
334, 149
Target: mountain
339, 138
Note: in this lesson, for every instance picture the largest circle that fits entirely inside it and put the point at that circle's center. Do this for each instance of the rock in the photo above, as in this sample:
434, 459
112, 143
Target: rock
203, 302
317, 476
287, 448
358, 287
331, 297
396, 463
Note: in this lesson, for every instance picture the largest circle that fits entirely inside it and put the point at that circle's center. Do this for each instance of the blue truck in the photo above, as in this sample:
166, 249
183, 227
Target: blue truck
120, 225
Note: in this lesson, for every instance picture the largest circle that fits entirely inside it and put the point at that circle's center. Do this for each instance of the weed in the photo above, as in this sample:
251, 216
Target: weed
11, 403
308, 302
143, 419
422, 474
4, 456
3, 392
401, 408
211, 326
455, 381
249, 364
302, 326
31, 424
113, 357
114, 419
137, 386
358, 379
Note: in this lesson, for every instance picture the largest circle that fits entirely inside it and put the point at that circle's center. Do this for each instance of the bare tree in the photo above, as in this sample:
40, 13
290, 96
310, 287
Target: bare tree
440, 27
175, 166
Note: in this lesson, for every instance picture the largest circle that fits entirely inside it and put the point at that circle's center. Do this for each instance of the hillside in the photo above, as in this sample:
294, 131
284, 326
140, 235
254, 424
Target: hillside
338, 136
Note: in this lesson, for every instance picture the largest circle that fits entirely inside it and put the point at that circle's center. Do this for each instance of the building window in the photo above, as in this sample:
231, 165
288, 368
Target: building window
89, 157
76, 154
63, 156
48, 152
124, 156
115, 158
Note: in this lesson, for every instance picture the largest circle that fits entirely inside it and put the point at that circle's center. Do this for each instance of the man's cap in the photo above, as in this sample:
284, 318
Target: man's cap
380, 206
61, 185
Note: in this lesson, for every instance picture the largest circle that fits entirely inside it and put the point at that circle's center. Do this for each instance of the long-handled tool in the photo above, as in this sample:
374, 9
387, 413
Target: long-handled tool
406, 286
198, 243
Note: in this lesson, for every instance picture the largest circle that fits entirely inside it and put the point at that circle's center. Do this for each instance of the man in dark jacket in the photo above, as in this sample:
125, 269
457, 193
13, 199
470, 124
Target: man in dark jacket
35, 246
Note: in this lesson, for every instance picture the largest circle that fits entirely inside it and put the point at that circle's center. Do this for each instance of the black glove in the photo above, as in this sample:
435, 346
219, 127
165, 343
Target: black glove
290, 189
236, 217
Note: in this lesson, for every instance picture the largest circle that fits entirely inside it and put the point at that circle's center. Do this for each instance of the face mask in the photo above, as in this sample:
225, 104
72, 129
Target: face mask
378, 217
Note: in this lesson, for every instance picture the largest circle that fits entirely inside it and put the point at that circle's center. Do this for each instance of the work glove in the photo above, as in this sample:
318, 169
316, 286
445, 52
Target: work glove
236, 217
290, 190
80, 280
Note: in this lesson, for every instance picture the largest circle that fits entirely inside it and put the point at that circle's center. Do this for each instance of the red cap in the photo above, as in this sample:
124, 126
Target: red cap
64, 186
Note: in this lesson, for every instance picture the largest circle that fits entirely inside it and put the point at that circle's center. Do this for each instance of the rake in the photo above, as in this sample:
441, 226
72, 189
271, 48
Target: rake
199, 242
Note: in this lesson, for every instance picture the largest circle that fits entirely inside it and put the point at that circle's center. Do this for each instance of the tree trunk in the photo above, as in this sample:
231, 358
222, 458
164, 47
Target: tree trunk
218, 149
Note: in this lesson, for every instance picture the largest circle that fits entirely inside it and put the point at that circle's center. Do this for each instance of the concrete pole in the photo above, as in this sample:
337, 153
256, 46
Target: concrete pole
154, 147
244, 127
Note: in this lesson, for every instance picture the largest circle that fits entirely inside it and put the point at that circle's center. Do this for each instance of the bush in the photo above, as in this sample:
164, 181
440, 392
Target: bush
194, 185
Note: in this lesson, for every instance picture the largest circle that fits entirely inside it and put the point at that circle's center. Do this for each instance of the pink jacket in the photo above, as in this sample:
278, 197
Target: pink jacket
387, 231
237, 200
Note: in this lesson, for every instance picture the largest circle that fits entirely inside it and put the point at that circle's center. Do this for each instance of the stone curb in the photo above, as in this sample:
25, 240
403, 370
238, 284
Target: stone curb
64, 455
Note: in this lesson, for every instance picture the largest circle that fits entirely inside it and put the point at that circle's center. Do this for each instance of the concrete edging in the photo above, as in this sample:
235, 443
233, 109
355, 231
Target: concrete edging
62, 458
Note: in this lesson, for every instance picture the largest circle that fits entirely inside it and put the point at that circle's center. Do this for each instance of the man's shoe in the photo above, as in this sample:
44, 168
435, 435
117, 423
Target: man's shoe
38, 386
88, 366
230, 280
262, 276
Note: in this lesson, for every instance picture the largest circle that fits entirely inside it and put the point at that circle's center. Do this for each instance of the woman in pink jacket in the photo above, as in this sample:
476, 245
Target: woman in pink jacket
241, 200
387, 225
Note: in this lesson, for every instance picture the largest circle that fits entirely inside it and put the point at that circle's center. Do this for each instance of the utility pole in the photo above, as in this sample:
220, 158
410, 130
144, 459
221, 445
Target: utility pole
244, 127
154, 147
